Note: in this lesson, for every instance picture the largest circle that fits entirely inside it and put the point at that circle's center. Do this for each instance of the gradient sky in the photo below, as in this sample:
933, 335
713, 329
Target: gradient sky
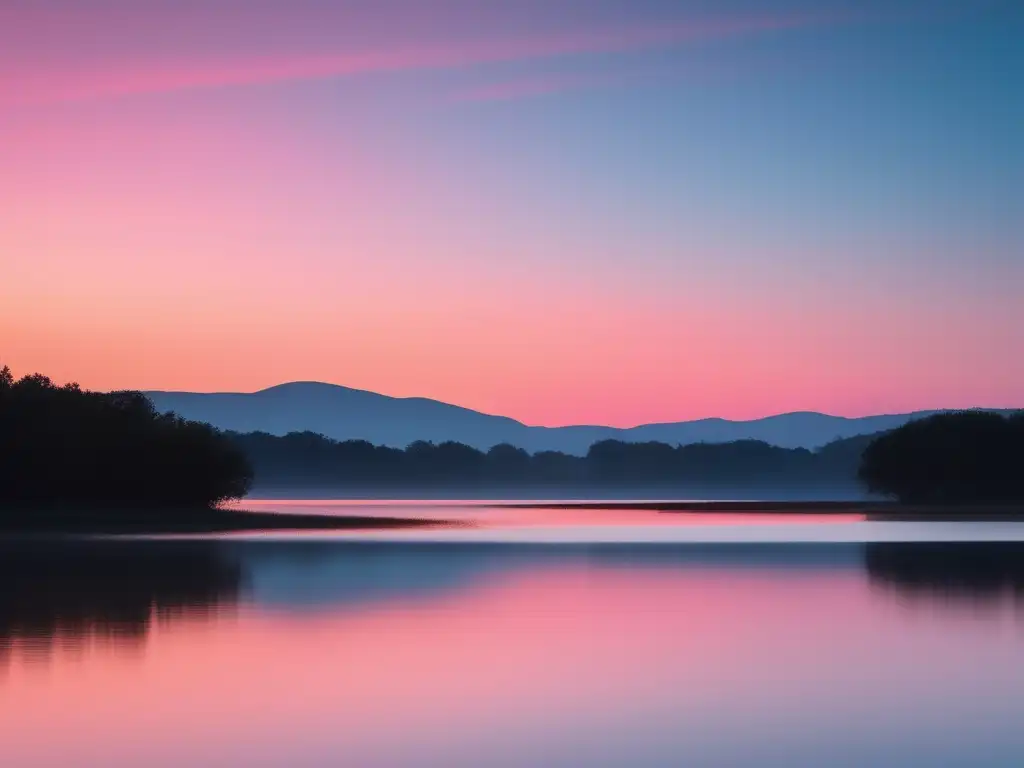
604, 211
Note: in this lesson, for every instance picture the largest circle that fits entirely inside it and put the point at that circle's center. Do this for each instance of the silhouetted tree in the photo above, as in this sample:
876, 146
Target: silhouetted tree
954, 458
61, 446
507, 464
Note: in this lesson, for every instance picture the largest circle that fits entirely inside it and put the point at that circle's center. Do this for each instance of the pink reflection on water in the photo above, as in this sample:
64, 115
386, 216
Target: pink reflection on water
540, 664
500, 514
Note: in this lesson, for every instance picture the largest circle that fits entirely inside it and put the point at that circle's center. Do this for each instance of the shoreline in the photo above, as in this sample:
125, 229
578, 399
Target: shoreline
199, 522
871, 510
219, 520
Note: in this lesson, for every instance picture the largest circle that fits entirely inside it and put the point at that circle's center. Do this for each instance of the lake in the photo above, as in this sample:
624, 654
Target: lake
529, 638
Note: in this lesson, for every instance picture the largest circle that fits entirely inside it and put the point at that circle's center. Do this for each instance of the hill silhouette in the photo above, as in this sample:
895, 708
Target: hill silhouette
342, 413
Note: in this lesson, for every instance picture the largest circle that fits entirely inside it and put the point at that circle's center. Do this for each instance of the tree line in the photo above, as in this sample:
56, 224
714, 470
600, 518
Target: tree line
309, 460
65, 446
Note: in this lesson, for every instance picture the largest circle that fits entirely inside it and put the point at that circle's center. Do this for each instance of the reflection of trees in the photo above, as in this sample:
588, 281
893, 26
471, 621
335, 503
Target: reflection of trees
73, 593
977, 572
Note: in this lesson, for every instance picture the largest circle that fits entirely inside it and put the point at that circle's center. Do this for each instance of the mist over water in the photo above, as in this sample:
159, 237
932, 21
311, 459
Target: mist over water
310, 650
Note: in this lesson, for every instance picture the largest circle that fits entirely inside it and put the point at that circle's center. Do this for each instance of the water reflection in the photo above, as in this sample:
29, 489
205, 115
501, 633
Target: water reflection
303, 576
411, 654
979, 574
300, 576
69, 594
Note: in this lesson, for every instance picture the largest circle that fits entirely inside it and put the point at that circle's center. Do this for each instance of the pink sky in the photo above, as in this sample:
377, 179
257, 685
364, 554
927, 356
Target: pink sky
504, 212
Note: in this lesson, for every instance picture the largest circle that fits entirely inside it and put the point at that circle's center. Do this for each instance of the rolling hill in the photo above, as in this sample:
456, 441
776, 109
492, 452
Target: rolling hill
343, 413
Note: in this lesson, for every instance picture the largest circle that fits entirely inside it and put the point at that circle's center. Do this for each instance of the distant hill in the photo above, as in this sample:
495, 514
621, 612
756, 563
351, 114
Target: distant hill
347, 414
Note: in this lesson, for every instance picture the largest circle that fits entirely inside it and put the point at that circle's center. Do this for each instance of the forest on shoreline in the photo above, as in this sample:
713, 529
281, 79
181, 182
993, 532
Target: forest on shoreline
969, 457
308, 460
62, 447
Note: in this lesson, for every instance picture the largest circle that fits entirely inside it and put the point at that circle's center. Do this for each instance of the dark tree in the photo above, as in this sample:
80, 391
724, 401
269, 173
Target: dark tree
954, 458
508, 465
61, 446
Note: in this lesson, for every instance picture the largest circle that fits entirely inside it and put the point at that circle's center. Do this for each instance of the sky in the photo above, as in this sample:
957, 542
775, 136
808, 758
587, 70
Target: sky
564, 211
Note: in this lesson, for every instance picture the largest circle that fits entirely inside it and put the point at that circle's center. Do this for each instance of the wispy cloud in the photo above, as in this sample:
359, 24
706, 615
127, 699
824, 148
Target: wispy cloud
39, 85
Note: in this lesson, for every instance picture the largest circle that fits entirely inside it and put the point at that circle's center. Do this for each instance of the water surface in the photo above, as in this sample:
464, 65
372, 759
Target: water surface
840, 650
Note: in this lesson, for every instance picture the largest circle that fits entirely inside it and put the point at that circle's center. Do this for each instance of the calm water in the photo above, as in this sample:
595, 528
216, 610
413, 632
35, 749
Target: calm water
708, 642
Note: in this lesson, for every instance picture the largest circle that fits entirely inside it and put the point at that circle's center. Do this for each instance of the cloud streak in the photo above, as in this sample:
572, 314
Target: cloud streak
28, 85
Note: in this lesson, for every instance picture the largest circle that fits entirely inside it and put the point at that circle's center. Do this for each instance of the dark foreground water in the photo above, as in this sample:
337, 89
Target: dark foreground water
346, 651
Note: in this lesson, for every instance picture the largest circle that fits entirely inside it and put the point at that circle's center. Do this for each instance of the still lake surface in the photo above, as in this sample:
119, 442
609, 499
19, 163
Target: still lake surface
530, 638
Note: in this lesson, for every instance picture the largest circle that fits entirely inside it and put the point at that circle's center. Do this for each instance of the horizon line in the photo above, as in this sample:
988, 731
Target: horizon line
773, 415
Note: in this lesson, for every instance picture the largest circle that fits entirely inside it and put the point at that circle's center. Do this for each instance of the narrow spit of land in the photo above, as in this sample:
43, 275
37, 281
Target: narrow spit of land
104, 522
872, 510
